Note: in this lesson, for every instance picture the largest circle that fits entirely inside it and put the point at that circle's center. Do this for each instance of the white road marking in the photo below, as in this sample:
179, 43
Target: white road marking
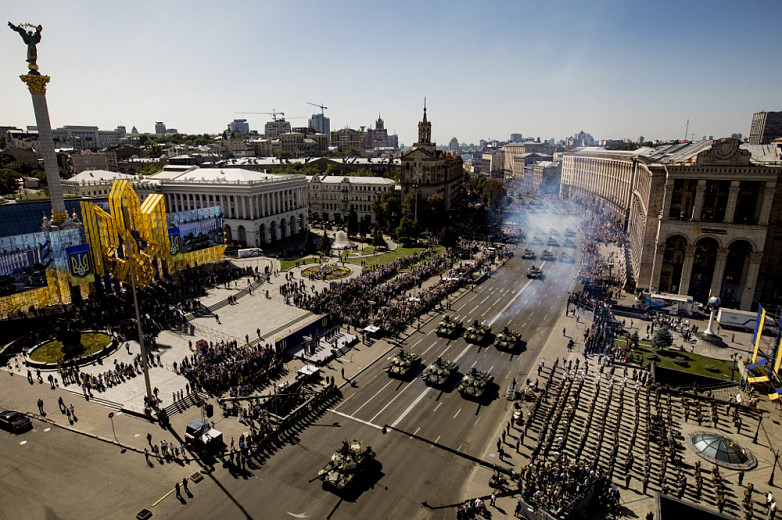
457, 413
427, 350
416, 431
462, 354
475, 308
391, 401
298, 515
491, 322
459, 449
476, 420
545, 317
346, 416
22, 443
417, 400
416, 343
492, 367
46, 429
437, 439
474, 363
487, 297
436, 407
367, 401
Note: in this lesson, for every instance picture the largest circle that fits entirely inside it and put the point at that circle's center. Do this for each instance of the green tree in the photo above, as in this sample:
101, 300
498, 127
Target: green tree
352, 222
154, 150
449, 237
325, 245
387, 210
148, 169
309, 244
662, 338
493, 193
365, 225
8, 181
377, 238
408, 230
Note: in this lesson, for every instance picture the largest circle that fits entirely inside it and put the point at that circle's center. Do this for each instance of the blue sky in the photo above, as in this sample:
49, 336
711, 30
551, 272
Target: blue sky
614, 69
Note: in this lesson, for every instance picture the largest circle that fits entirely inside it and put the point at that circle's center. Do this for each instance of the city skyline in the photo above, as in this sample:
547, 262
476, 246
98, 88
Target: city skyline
613, 70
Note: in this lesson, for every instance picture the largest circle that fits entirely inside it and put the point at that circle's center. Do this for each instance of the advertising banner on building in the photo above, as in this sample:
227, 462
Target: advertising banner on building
80, 269
175, 243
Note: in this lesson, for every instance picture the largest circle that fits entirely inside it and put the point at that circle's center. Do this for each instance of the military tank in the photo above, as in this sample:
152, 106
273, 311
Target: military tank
569, 243
528, 254
534, 272
547, 255
349, 462
507, 339
439, 372
475, 383
566, 257
552, 242
403, 364
448, 327
477, 333
570, 233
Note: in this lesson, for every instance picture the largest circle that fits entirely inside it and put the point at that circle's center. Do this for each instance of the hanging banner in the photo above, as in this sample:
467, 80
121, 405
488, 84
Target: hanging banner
80, 265
758, 332
175, 243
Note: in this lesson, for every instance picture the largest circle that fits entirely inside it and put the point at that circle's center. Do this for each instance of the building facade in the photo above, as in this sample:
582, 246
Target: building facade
333, 197
258, 208
700, 218
86, 160
431, 171
766, 126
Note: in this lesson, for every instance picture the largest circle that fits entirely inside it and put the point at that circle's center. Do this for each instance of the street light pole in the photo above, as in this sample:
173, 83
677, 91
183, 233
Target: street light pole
144, 364
755, 439
773, 468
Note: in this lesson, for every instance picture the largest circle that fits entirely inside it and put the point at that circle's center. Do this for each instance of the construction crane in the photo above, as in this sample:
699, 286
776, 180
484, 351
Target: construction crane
321, 107
273, 113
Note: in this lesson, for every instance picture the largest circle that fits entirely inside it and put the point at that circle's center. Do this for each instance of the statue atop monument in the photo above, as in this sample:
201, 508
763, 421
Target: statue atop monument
31, 39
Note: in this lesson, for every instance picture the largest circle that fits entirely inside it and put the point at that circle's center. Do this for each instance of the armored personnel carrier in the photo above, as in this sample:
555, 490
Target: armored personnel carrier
403, 364
547, 255
528, 254
439, 372
475, 383
477, 333
346, 465
507, 339
448, 327
534, 272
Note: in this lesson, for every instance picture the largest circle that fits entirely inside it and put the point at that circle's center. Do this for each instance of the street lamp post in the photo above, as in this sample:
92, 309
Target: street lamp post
773, 468
760, 421
144, 364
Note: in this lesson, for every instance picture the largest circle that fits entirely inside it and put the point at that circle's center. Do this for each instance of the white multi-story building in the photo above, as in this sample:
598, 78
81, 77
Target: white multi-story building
332, 197
258, 208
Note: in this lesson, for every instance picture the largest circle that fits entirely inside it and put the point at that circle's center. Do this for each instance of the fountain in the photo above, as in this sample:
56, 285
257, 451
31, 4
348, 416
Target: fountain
341, 241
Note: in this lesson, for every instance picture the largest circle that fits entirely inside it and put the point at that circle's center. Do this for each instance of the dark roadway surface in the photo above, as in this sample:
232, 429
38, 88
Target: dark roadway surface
413, 471
78, 477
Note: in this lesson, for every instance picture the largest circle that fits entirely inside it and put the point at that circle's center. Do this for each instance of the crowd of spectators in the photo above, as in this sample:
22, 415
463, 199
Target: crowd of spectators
227, 366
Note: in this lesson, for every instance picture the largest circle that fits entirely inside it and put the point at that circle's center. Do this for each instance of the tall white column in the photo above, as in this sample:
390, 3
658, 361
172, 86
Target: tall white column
698, 204
719, 271
36, 84
684, 281
768, 197
733, 196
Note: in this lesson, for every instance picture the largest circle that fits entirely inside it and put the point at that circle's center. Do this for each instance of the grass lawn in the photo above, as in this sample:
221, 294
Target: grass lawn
287, 264
695, 363
51, 352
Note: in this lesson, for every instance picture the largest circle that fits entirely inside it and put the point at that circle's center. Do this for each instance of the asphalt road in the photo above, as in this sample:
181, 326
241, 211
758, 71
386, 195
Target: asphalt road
414, 471
52, 473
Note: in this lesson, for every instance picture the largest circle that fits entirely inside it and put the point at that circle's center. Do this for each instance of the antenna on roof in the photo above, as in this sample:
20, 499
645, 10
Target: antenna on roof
687, 129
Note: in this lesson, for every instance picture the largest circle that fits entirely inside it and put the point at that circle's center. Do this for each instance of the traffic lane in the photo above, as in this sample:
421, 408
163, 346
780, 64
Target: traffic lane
50, 472
286, 486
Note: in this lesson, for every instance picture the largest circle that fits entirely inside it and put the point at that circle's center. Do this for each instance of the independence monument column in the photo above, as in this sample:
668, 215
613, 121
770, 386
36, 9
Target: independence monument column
36, 83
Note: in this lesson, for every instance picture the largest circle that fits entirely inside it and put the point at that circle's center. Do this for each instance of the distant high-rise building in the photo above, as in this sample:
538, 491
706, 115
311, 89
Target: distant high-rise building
736, 136
453, 145
641, 140
276, 127
239, 126
515, 138
160, 127
321, 124
766, 126
380, 134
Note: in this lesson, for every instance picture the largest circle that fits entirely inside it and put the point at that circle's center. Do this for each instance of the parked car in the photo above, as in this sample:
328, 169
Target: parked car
14, 422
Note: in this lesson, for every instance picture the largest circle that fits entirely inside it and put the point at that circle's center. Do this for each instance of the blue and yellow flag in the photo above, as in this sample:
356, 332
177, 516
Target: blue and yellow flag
80, 269
175, 243
758, 332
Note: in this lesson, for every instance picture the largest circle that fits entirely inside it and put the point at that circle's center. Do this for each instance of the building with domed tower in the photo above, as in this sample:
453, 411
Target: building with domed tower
431, 171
